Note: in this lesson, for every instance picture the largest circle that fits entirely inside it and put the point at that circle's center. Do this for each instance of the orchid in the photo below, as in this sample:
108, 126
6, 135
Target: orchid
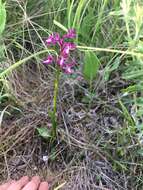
61, 61
49, 60
71, 34
53, 39
68, 70
65, 49
64, 62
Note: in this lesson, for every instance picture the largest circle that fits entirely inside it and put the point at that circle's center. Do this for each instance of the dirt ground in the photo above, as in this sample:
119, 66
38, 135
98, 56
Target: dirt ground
84, 155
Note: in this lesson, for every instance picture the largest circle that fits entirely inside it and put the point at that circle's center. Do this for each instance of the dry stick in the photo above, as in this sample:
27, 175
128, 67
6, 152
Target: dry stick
20, 62
86, 48
102, 188
60, 186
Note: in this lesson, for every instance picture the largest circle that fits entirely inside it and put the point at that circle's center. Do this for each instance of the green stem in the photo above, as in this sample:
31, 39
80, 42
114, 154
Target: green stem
54, 117
91, 93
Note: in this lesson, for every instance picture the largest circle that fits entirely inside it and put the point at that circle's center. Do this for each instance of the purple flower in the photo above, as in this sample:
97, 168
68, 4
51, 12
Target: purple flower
56, 37
61, 61
66, 51
71, 34
49, 60
67, 46
53, 39
61, 42
67, 69
72, 63
49, 40
71, 45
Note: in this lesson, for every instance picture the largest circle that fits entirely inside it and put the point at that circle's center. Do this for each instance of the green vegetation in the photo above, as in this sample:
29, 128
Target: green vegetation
99, 108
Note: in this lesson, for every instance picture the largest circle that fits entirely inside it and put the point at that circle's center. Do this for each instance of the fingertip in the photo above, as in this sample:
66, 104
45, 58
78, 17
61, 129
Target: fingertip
17, 185
7, 184
36, 179
25, 178
23, 181
12, 181
33, 184
44, 186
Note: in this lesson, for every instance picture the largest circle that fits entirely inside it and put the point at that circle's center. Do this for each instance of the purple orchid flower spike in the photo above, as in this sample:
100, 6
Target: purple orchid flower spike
49, 60
64, 60
64, 63
70, 34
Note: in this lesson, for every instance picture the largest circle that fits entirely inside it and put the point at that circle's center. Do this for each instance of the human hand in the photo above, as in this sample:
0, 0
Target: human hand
25, 184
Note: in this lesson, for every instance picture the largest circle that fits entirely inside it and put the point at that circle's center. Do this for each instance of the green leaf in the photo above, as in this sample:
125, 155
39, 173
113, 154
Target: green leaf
133, 88
88, 97
4, 96
140, 46
60, 25
78, 12
133, 74
126, 114
87, 25
2, 17
44, 132
140, 127
140, 152
110, 68
90, 66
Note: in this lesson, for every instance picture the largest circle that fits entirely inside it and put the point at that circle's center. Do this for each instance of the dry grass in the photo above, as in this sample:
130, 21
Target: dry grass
79, 157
